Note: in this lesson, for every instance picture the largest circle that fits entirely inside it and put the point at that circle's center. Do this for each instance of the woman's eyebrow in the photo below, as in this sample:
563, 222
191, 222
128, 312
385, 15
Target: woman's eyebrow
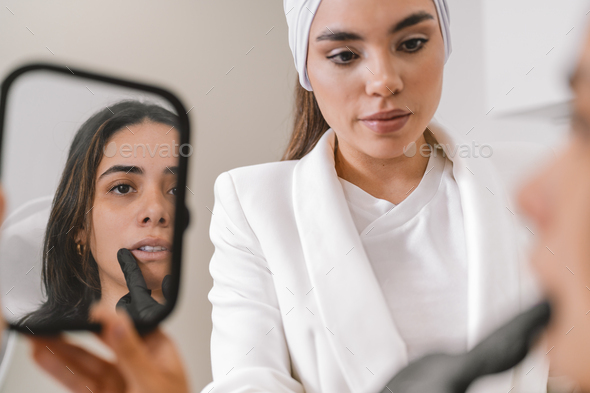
171, 170
122, 168
411, 20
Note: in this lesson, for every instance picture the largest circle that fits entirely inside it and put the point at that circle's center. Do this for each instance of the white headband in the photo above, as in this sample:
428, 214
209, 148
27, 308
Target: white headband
300, 14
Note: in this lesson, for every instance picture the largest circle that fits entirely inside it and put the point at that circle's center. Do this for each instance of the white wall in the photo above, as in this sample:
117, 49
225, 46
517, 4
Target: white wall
529, 45
191, 47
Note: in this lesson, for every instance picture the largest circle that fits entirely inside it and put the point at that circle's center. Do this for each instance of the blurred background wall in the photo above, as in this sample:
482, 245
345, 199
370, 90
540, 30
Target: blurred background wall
230, 60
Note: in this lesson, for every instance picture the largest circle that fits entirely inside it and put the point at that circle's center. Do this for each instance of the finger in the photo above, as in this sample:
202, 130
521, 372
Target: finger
120, 335
78, 357
133, 276
154, 338
160, 346
125, 303
508, 345
167, 286
124, 300
76, 368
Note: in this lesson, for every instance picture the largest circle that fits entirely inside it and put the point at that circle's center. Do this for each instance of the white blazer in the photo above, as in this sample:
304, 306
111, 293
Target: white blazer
296, 305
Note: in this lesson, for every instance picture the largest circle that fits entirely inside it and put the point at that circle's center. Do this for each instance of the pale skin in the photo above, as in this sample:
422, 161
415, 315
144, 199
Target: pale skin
377, 70
558, 201
133, 203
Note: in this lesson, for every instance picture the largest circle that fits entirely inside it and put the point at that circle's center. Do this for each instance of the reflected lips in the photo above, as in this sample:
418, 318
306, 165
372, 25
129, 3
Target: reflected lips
387, 122
151, 249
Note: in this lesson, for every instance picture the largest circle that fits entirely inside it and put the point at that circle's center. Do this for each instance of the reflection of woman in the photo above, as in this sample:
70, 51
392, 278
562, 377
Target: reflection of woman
336, 267
110, 197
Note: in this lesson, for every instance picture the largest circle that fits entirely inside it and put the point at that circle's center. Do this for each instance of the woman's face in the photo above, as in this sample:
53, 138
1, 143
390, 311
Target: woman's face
558, 200
134, 204
360, 53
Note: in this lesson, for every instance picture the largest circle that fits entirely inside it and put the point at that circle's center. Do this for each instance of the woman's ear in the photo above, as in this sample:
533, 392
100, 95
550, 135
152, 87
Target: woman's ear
81, 236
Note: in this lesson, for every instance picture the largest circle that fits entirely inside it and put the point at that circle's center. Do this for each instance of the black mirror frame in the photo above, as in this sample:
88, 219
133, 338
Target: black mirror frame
181, 214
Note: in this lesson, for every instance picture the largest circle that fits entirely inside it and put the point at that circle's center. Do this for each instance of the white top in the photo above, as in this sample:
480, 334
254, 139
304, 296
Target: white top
418, 253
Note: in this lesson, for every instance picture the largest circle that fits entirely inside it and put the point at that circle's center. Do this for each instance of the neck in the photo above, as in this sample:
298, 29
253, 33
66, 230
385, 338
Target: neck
391, 179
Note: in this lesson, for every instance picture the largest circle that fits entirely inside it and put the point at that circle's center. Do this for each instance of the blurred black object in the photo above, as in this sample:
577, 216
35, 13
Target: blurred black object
500, 351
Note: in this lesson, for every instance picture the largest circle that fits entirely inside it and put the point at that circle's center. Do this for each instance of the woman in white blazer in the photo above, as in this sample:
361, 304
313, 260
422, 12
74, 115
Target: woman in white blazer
363, 249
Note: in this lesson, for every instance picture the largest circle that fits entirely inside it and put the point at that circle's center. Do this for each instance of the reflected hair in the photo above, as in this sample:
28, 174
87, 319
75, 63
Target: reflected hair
71, 281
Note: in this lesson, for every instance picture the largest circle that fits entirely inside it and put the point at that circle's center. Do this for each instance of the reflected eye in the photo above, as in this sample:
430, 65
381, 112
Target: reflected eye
415, 44
344, 57
121, 189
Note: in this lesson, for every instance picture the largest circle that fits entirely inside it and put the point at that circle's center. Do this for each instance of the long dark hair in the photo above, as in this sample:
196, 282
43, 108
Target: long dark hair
70, 279
308, 126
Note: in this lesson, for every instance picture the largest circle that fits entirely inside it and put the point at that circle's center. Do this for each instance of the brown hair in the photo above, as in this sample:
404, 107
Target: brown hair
308, 126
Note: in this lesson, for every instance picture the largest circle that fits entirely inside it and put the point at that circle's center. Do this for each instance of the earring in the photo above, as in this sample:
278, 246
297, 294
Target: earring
79, 249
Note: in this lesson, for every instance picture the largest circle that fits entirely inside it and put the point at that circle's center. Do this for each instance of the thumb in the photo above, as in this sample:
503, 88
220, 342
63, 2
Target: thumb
119, 334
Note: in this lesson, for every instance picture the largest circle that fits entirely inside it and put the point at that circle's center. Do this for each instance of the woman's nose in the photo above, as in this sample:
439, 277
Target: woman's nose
382, 78
154, 209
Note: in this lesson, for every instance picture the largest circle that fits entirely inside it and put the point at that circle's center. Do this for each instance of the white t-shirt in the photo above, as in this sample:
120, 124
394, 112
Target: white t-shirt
418, 253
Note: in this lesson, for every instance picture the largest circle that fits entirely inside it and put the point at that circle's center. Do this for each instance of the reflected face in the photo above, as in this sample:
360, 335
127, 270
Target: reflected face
134, 204
558, 200
360, 53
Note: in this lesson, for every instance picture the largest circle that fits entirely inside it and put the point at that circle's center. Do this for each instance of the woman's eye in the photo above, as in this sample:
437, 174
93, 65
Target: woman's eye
415, 44
121, 189
343, 57
173, 191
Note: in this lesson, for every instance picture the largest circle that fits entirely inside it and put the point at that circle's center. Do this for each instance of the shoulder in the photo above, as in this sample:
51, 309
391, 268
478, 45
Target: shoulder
272, 174
259, 185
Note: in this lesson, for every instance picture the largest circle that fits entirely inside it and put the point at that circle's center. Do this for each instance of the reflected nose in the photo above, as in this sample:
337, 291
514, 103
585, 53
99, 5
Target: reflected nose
382, 77
154, 209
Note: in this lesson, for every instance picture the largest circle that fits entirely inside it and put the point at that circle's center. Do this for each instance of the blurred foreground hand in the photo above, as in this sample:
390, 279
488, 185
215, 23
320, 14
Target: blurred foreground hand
148, 364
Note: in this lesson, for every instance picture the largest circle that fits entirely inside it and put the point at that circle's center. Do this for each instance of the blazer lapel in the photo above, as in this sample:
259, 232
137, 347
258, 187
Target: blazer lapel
351, 304
490, 235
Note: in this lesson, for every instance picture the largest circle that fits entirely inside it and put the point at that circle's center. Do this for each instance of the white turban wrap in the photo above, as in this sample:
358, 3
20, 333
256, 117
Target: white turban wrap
300, 14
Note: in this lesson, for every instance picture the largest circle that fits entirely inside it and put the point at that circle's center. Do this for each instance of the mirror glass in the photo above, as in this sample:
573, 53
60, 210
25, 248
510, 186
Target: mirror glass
92, 172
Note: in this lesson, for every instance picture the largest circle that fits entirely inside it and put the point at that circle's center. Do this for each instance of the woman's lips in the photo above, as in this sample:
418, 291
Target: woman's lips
154, 249
147, 256
387, 126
